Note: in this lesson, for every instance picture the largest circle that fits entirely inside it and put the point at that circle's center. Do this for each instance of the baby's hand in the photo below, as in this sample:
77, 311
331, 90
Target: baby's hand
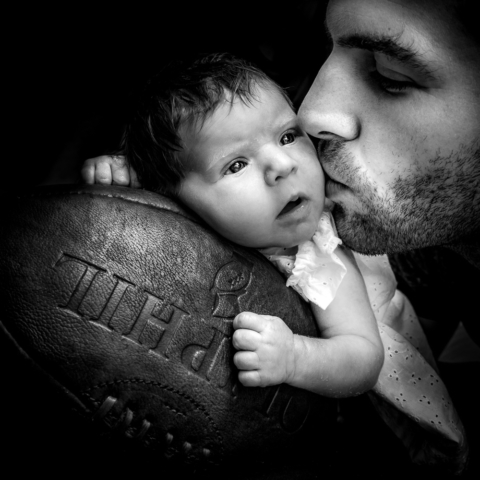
266, 350
109, 170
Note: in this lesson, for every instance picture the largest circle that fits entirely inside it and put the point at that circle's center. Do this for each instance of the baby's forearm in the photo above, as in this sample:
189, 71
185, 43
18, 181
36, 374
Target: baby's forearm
348, 357
346, 360
343, 366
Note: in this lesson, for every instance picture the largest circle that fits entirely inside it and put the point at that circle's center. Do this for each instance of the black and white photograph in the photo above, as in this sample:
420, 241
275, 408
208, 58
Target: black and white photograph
241, 240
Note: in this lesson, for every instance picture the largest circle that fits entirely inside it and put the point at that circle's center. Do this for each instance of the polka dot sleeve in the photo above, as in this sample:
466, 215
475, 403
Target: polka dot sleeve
409, 395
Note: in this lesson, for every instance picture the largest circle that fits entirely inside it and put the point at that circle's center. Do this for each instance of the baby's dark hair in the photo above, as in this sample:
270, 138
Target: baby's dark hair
183, 93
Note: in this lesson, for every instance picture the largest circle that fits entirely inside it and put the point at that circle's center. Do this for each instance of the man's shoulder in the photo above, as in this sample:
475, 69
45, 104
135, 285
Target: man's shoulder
433, 267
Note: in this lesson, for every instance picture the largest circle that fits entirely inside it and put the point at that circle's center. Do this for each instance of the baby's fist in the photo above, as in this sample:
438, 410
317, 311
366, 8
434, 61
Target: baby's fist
109, 170
265, 347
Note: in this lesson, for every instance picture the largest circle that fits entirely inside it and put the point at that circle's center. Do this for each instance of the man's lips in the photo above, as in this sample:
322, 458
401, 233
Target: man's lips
329, 153
332, 188
332, 180
321, 147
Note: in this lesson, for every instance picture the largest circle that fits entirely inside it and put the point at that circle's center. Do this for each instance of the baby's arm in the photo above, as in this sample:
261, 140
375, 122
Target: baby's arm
345, 361
109, 170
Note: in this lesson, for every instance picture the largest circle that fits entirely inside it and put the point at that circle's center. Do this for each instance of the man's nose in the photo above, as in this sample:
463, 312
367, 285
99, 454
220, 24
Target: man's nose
278, 165
328, 110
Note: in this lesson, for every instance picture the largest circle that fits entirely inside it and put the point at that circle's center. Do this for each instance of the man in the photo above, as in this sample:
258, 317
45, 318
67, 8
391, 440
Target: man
396, 108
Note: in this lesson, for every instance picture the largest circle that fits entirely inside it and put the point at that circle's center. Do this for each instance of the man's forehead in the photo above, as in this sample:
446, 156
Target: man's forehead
429, 28
381, 16
423, 27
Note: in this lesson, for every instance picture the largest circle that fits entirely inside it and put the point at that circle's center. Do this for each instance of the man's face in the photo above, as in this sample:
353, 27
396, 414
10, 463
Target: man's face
397, 110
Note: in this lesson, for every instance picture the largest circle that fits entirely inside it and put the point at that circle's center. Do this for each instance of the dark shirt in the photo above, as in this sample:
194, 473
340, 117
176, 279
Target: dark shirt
444, 288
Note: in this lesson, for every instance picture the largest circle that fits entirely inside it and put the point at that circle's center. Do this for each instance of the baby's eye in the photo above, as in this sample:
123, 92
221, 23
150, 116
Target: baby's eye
235, 167
288, 138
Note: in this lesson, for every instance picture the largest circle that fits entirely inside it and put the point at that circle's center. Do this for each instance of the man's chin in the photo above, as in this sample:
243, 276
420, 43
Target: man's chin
367, 234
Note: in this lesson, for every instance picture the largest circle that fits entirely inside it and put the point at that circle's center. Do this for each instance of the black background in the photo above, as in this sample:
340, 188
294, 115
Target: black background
69, 71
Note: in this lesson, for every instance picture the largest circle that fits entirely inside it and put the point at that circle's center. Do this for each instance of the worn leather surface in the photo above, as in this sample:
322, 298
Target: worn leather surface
124, 301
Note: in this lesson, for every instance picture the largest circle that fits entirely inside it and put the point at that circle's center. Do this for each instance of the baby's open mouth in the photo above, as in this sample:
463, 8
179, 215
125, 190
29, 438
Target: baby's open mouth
290, 206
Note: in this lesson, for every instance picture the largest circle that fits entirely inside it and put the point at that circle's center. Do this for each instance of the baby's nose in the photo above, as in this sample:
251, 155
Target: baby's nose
279, 168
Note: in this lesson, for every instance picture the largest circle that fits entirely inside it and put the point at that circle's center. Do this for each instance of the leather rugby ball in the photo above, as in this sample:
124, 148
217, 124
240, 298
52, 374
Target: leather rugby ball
125, 301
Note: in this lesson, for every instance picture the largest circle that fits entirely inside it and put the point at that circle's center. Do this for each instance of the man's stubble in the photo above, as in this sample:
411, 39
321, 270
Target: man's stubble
418, 209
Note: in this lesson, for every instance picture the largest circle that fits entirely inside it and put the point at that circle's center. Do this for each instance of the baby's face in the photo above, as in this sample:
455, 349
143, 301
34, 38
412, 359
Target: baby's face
253, 174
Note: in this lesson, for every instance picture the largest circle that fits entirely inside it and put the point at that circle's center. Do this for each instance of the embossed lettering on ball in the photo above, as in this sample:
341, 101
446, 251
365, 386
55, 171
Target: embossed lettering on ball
126, 301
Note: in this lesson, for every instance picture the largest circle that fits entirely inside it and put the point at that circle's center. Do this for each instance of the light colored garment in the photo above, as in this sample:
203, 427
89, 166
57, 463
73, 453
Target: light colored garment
409, 395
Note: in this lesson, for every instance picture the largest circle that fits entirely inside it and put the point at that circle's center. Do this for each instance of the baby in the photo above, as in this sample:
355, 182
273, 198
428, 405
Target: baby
222, 138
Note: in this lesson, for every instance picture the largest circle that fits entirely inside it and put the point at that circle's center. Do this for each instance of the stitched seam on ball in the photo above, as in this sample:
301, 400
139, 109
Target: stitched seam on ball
174, 410
168, 388
152, 437
97, 403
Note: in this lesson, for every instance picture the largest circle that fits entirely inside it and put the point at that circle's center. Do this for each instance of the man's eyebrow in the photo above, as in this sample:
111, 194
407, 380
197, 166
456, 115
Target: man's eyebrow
387, 46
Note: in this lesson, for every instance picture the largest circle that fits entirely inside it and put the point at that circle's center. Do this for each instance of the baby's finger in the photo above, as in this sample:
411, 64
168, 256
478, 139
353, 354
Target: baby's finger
246, 360
244, 339
249, 320
88, 173
250, 378
103, 174
120, 171
134, 183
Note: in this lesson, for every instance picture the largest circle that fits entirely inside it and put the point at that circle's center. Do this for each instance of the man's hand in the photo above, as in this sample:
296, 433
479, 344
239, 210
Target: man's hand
265, 347
109, 170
